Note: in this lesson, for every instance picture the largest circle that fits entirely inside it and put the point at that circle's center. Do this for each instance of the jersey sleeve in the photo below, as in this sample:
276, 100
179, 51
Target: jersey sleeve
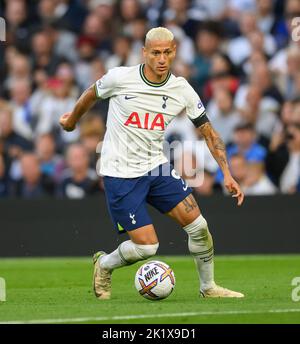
105, 86
195, 109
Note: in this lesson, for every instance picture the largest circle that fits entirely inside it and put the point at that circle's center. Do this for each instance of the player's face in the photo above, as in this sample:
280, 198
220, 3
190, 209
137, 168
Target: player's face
159, 56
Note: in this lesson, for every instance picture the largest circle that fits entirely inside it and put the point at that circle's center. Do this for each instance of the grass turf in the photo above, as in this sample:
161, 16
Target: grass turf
59, 290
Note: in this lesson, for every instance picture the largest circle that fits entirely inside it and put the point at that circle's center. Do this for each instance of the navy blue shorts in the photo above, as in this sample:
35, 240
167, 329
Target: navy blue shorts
126, 198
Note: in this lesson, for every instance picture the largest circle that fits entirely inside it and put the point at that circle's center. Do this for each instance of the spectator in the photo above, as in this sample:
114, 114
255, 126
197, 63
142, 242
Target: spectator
239, 48
290, 177
213, 9
65, 73
251, 176
19, 68
92, 130
179, 12
104, 9
64, 43
238, 7
23, 114
129, 10
51, 164
59, 101
261, 113
78, 180
245, 143
70, 15
43, 55
122, 55
18, 28
287, 79
238, 168
13, 143
257, 182
96, 29
256, 59
262, 78
278, 156
184, 45
136, 30
266, 20
223, 74
222, 113
182, 69
208, 41
33, 183
46, 11
86, 47
3, 178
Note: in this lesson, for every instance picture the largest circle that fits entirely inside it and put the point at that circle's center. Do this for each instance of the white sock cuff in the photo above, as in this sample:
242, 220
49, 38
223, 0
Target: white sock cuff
146, 251
198, 223
131, 252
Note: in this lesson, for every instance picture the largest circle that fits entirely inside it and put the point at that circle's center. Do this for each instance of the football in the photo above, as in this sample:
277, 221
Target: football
155, 280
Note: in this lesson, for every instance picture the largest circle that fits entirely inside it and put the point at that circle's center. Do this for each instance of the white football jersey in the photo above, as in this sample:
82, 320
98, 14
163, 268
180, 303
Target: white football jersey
139, 112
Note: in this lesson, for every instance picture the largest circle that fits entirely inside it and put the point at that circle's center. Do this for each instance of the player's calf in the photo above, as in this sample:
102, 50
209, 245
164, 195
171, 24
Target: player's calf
201, 247
128, 253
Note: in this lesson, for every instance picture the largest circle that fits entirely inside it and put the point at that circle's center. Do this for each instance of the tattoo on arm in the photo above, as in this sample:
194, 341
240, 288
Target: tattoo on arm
215, 145
219, 144
190, 203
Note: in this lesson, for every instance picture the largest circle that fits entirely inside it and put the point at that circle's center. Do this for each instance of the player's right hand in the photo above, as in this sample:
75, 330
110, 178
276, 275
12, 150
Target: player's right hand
66, 122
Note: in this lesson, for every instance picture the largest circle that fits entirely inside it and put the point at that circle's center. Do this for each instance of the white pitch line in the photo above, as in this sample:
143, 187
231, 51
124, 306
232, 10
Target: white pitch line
148, 316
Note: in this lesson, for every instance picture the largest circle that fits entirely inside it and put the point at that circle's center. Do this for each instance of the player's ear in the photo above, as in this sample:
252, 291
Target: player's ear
174, 46
144, 52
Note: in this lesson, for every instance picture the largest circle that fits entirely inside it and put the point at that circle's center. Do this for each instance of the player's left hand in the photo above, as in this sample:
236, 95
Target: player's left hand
234, 189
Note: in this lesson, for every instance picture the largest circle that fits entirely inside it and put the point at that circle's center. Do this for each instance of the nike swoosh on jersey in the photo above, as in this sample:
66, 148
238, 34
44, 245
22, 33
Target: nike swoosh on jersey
130, 97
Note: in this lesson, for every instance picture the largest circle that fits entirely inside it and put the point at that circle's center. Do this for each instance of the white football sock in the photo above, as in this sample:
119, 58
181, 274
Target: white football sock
201, 247
127, 253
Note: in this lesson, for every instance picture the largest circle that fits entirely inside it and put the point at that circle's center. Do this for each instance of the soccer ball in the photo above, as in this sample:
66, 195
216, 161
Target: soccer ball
155, 280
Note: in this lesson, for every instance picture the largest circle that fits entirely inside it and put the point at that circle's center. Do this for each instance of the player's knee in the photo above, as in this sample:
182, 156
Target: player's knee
198, 229
147, 251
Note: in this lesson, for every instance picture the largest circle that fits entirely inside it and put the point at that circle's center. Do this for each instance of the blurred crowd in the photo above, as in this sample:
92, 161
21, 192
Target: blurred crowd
239, 55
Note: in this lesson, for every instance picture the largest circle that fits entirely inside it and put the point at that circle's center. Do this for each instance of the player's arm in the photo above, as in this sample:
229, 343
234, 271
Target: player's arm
218, 150
88, 98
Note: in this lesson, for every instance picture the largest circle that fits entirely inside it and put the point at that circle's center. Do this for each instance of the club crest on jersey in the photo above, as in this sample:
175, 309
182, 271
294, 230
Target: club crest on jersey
199, 105
165, 98
146, 122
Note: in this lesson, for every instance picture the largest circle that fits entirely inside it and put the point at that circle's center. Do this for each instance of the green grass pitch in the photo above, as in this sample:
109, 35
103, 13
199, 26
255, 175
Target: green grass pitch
58, 290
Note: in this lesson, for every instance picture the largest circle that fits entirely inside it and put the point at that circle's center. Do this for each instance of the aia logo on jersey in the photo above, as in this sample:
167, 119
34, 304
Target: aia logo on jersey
146, 121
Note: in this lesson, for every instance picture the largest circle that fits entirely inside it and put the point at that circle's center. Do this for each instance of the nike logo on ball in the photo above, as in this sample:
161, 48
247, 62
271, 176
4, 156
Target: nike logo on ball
130, 97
